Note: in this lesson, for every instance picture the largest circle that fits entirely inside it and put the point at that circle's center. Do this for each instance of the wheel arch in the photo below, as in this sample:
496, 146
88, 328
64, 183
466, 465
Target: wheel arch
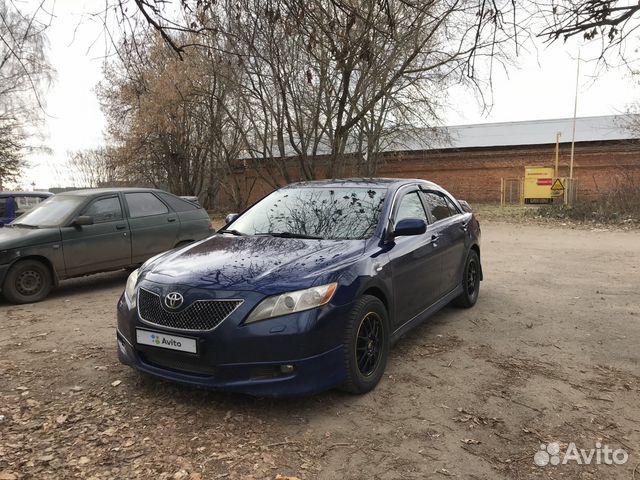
42, 259
377, 292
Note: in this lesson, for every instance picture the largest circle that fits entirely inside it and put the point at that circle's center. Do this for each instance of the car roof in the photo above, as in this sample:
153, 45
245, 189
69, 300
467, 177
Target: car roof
100, 191
25, 194
363, 182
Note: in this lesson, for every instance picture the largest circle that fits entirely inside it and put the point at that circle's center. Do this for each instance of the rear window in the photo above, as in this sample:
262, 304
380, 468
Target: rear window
178, 204
24, 203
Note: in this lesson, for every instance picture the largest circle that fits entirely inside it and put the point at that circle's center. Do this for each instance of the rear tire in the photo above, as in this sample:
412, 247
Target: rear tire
470, 282
366, 345
28, 281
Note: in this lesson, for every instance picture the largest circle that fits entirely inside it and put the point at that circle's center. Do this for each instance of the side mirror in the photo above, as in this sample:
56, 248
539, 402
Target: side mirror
231, 218
410, 226
465, 206
83, 220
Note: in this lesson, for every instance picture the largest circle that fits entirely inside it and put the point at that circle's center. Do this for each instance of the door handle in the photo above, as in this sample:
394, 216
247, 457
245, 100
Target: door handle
171, 219
434, 239
120, 227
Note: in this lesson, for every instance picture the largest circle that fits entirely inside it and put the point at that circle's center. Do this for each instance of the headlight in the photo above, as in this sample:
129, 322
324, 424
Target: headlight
292, 302
130, 289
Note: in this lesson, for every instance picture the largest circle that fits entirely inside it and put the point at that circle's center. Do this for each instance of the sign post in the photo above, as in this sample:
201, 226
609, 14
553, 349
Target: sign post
558, 135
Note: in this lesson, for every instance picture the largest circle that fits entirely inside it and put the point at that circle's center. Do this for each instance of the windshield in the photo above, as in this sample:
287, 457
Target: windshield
51, 212
314, 212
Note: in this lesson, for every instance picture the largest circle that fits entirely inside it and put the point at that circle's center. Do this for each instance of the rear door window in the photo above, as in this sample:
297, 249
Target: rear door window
144, 204
437, 206
452, 208
105, 210
3, 206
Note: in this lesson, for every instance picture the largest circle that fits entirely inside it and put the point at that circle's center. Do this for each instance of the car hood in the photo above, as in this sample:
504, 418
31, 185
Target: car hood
259, 263
19, 237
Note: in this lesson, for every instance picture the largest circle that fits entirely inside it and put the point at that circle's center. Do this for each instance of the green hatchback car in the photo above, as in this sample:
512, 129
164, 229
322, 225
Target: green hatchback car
88, 231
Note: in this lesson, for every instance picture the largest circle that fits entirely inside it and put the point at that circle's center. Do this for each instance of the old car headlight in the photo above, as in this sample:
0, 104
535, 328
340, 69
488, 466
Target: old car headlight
292, 302
130, 289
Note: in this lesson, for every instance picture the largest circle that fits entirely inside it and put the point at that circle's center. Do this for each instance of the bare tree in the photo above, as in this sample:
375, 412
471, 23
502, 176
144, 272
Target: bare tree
169, 120
314, 73
614, 20
295, 89
24, 74
92, 168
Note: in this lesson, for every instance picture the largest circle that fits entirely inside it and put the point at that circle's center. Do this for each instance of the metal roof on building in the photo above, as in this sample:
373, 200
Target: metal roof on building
531, 132
503, 134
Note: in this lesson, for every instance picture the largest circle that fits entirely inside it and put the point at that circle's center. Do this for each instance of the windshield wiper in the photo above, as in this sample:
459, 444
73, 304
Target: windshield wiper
25, 225
232, 232
291, 235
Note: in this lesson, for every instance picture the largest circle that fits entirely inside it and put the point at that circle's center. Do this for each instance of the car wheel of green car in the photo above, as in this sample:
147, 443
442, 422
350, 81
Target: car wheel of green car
27, 281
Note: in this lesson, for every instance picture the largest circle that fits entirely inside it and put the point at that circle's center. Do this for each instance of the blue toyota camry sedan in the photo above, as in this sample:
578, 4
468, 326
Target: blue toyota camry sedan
304, 291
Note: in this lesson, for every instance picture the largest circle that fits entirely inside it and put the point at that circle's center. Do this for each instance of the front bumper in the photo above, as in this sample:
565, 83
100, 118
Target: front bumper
297, 354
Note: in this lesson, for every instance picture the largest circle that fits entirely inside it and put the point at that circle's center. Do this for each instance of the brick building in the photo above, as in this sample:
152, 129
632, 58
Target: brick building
471, 160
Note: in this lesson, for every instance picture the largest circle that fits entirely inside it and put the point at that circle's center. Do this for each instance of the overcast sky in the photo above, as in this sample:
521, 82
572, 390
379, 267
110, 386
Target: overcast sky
541, 86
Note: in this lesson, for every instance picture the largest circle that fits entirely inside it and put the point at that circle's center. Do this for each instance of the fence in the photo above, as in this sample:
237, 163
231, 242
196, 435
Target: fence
511, 191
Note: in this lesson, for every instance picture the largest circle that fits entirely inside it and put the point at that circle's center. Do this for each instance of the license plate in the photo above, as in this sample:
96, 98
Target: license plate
163, 340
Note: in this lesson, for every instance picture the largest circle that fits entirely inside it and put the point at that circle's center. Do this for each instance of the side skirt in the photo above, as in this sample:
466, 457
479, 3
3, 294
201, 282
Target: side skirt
422, 316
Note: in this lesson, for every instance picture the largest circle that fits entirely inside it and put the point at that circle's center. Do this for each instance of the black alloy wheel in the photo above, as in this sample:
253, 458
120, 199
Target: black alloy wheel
366, 344
369, 343
470, 282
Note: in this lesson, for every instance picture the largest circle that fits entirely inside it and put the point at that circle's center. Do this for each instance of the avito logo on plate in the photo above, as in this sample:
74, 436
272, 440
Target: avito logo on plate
171, 342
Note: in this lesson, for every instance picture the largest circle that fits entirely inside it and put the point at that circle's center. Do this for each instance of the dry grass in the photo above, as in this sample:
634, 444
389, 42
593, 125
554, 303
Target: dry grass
620, 205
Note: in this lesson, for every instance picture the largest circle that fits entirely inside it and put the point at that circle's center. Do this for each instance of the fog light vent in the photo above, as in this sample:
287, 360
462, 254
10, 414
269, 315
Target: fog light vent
286, 369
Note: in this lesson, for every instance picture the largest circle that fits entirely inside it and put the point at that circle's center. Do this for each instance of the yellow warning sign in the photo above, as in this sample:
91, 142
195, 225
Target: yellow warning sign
557, 185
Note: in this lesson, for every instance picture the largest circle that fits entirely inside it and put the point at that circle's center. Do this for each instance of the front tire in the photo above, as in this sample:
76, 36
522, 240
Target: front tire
28, 281
366, 345
470, 282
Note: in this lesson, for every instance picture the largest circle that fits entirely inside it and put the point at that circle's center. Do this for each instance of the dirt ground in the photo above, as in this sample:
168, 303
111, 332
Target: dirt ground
549, 353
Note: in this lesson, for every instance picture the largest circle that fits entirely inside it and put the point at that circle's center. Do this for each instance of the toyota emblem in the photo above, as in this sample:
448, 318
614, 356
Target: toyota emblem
173, 300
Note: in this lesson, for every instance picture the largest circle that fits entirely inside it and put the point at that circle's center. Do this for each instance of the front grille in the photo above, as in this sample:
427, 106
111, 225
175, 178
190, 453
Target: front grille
200, 315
